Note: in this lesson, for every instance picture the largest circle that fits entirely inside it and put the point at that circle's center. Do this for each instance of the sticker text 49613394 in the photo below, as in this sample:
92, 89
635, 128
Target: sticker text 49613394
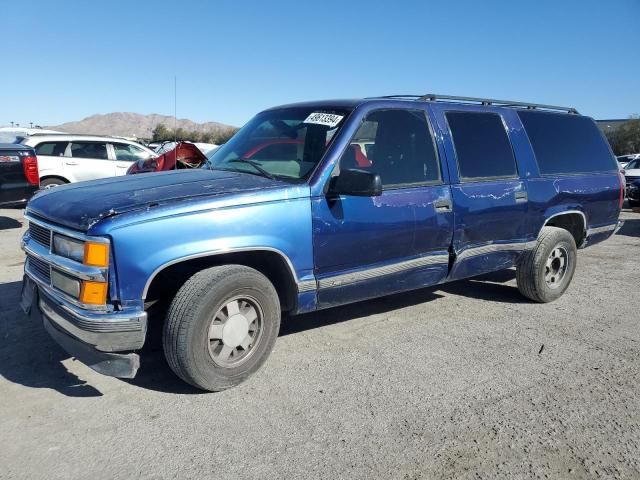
328, 119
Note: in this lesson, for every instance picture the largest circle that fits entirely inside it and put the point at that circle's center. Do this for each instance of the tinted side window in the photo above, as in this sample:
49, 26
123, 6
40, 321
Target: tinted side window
55, 149
129, 153
89, 150
482, 146
399, 148
565, 143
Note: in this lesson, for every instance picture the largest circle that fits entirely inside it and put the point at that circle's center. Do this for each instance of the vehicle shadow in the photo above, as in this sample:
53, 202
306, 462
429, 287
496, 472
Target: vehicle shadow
630, 228
489, 286
28, 356
8, 223
353, 311
155, 373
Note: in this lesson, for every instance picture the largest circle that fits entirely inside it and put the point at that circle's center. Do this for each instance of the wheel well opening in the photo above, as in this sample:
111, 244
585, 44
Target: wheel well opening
272, 265
573, 223
57, 177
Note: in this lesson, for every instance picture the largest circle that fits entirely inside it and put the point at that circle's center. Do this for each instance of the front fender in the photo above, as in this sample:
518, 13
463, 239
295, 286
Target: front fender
142, 249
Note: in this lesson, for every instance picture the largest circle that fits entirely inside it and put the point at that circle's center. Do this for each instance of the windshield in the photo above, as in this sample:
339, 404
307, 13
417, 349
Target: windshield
285, 144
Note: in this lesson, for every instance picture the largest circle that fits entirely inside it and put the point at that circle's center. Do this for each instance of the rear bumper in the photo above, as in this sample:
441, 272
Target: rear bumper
92, 337
13, 195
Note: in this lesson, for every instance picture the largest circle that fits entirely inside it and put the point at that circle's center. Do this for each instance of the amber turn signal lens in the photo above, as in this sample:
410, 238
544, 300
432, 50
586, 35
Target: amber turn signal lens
93, 293
96, 254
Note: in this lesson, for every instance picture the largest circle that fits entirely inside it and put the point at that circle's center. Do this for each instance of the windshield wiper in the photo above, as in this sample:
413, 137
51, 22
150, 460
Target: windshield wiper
255, 165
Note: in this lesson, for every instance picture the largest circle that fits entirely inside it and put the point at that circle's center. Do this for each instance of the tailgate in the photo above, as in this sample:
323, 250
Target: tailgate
14, 186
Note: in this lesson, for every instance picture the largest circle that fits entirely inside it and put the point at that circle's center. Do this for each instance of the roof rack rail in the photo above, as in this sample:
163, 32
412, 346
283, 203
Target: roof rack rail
434, 97
53, 134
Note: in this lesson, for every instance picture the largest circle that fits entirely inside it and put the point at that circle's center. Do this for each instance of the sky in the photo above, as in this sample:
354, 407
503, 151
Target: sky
66, 60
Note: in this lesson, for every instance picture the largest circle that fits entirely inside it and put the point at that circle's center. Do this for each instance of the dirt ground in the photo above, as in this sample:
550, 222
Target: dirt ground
466, 380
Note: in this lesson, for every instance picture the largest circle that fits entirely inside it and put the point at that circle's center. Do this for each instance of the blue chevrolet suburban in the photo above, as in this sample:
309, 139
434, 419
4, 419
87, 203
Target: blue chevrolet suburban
309, 206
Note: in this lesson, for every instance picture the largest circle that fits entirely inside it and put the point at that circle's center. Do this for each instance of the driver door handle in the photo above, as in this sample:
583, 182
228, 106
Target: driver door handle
442, 206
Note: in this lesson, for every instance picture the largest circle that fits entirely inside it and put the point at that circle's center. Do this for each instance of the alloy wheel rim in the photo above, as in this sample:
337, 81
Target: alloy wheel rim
234, 331
556, 267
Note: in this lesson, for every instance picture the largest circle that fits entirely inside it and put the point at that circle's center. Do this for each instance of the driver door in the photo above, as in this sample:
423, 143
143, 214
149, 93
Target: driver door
365, 247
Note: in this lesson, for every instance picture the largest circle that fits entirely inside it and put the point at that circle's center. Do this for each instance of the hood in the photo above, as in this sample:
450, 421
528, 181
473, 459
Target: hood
81, 205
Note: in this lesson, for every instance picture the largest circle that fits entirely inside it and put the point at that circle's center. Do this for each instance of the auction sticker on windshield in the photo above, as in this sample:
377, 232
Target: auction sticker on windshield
328, 119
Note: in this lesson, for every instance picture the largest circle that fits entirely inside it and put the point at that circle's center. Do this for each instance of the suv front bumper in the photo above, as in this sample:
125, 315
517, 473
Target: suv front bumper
91, 337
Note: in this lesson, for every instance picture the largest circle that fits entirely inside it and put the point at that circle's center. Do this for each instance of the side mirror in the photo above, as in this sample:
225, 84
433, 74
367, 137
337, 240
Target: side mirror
357, 183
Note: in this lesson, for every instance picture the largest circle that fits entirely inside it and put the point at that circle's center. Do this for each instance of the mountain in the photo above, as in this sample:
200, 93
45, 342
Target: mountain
127, 124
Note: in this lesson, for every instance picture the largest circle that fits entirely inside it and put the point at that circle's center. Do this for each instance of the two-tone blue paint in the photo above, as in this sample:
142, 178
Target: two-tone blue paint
339, 249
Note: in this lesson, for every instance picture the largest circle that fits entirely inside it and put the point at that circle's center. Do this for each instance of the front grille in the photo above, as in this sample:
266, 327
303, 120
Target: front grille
39, 268
40, 234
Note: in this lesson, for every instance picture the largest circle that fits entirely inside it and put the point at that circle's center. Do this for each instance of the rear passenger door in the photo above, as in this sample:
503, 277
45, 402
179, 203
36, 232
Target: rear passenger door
490, 197
51, 158
88, 160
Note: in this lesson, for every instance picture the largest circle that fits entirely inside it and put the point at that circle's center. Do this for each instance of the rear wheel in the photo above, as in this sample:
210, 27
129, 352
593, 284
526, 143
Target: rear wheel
51, 182
221, 326
544, 273
633, 203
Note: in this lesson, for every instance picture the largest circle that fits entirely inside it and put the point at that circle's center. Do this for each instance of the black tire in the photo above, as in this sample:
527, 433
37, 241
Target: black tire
186, 341
51, 182
532, 276
633, 203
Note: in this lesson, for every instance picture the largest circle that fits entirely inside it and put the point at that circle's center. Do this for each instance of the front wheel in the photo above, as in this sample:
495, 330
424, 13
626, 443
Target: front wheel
544, 273
221, 326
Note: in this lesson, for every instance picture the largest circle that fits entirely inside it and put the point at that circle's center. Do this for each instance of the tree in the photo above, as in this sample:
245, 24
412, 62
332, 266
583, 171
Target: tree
224, 136
161, 133
626, 138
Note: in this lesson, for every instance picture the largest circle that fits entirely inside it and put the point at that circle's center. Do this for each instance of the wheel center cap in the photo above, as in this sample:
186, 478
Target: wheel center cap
235, 329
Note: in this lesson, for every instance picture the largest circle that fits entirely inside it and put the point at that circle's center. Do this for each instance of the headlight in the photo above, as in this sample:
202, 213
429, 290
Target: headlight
90, 253
69, 285
68, 247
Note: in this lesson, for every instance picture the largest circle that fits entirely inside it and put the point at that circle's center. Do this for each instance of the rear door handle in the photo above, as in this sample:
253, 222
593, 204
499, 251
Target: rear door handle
442, 205
521, 197
71, 163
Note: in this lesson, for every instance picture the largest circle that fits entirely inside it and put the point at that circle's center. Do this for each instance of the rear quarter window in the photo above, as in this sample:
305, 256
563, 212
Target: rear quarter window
54, 149
565, 144
482, 146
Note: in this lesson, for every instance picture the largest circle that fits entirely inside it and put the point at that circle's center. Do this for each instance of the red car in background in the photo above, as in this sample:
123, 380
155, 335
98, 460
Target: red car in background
184, 155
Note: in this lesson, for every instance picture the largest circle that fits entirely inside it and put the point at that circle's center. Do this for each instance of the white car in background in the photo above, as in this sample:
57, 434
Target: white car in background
624, 159
632, 171
16, 134
72, 158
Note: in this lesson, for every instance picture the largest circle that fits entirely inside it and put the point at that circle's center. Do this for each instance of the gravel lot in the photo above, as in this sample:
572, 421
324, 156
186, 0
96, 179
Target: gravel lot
468, 380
